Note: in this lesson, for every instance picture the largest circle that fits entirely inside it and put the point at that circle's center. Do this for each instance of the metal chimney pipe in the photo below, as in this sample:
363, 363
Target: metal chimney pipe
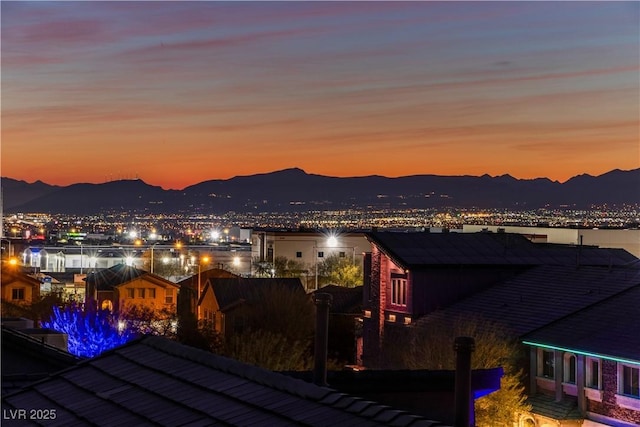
463, 346
322, 302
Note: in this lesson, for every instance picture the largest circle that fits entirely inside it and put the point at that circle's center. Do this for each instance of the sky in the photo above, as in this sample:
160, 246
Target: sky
176, 93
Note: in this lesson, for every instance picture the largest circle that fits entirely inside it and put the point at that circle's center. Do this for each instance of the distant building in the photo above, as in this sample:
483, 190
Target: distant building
309, 248
627, 239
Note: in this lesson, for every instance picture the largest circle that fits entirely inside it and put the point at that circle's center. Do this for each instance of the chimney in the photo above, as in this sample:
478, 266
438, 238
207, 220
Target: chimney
463, 346
322, 302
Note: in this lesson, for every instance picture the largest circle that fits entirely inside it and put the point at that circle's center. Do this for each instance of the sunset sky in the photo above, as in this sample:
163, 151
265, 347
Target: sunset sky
177, 93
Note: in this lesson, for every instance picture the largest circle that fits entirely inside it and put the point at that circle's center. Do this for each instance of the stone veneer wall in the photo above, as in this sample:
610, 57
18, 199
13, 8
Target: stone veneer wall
608, 405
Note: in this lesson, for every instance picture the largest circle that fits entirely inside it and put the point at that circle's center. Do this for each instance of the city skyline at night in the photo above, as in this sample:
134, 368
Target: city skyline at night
179, 93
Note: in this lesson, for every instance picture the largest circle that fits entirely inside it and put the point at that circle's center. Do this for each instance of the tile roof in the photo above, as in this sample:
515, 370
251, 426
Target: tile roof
154, 381
231, 291
541, 295
608, 328
26, 359
345, 300
109, 278
212, 273
414, 250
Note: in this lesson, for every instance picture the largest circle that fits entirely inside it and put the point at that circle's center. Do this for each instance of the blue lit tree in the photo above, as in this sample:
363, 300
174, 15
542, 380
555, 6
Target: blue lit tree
90, 331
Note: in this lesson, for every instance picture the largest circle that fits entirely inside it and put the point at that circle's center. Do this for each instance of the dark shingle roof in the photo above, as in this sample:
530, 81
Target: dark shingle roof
107, 279
345, 300
414, 250
154, 381
540, 296
608, 328
231, 291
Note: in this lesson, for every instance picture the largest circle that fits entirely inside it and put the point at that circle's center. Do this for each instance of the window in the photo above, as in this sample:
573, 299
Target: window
130, 292
168, 296
548, 364
17, 294
152, 292
569, 368
141, 292
399, 291
630, 381
341, 254
593, 373
320, 254
298, 254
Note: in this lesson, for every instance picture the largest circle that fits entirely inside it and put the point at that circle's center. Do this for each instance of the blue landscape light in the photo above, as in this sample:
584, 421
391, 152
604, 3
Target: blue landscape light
90, 332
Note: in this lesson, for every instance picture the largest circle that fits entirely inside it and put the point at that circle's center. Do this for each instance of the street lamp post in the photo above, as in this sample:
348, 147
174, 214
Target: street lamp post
152, 247
206, 260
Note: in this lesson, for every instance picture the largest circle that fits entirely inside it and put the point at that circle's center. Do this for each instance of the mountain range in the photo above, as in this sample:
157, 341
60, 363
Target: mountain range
295, 190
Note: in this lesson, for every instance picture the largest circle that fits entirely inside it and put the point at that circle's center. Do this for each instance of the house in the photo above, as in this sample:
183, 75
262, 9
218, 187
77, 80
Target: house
226, 302
190, 286
18, 287
120, 287
154, 381
409, 275
592, 355
580, 332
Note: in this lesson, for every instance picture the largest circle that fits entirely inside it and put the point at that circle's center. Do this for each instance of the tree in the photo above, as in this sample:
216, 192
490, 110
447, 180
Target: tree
90, 331
340, 271
145, 320
269, 350
41, 308
431, 347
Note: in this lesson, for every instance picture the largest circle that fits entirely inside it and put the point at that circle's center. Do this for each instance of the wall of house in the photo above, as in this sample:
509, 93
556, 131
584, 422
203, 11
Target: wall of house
373, 320
149, 300
29, 292
210, 310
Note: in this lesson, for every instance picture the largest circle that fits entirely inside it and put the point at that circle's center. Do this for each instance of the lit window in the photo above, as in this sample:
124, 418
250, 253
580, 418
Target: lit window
593, 373
168, 296
407, 320
152, 292
367, 314
399, 292
141, 292
130, 292
569, 368
17, 294
630, 381
392, 318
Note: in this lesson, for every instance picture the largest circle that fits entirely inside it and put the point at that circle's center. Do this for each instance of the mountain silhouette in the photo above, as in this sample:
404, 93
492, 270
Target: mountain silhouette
295, 190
